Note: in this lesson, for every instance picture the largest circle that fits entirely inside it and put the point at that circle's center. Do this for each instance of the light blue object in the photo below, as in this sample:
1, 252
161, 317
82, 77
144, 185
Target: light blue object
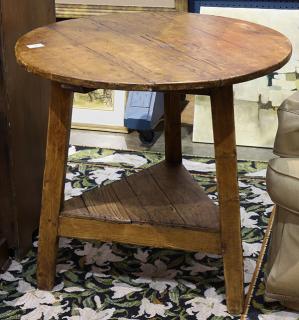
144, 110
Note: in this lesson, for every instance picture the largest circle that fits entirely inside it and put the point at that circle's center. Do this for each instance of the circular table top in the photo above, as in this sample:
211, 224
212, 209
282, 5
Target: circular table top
153, 51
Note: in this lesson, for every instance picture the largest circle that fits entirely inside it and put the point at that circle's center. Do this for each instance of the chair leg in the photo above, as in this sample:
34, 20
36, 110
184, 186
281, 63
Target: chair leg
60, 111
228, 191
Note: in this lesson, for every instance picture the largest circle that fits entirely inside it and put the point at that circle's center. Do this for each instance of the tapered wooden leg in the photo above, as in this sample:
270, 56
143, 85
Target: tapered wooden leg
58, 133
67, 144
228, 191
172, 128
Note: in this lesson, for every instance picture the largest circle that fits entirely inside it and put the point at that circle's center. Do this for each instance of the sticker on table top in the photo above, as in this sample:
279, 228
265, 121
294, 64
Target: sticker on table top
35, 45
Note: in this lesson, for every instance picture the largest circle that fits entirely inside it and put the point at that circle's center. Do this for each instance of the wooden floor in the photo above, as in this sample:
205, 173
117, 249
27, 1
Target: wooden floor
161, 195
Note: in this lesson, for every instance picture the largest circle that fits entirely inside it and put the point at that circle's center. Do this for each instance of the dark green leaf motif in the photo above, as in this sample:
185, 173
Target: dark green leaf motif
121, 282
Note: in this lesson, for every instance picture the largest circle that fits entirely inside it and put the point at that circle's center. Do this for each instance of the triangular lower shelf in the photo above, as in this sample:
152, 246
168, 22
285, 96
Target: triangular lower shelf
162, 195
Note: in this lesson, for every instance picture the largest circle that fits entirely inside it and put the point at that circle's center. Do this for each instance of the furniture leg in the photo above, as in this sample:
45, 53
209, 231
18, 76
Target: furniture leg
172, 126
60, 111
66, 151
228, 194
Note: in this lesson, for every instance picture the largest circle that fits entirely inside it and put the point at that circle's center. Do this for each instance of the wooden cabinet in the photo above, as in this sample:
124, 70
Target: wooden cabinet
23, 120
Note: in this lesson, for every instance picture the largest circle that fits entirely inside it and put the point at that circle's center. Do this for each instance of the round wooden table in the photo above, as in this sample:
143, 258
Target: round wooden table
175, 53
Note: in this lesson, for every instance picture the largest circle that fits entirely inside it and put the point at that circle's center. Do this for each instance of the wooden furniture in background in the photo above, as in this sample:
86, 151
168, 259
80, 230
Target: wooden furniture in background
81, 8
161, 206
24, 102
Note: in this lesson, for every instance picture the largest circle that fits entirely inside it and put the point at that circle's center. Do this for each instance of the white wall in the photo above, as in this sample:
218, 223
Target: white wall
284, 21
255, 124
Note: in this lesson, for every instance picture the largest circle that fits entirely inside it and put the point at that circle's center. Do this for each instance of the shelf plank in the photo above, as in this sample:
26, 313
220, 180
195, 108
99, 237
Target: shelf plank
130, 202
141, 234
163, 195
153, 199
75, 207
194, 206
103, 204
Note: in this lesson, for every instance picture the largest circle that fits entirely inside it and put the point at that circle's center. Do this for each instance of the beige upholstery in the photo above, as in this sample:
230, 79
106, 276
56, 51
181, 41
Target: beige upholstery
287, 137
282, 279
282, 271
283, 183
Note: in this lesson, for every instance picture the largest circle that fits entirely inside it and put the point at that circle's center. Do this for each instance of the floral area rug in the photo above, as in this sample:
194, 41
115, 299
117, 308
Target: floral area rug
101, 281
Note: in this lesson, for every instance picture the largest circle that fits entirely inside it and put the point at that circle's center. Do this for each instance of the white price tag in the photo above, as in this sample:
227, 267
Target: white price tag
35, 45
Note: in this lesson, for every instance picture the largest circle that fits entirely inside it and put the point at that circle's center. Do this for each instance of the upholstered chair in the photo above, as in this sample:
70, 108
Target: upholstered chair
282, 271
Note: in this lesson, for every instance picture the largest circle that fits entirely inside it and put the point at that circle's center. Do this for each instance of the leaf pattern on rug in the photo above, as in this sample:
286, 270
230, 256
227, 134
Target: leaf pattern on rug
97, 280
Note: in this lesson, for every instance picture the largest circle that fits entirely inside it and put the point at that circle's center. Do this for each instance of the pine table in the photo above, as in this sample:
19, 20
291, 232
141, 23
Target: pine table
174, 53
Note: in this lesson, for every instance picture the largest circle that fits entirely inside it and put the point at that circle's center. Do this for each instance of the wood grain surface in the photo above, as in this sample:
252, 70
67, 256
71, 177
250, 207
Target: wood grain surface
163, 195
172, 127
153, 51
24, 102
60, 112
139, 234
228, 196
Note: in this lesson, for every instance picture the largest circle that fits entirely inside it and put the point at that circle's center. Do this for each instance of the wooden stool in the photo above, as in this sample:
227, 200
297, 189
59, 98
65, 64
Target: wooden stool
175, 53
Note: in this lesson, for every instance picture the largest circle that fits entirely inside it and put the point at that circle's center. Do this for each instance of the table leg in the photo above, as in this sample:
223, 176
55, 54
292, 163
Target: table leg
172, 128
228, 191
60, 111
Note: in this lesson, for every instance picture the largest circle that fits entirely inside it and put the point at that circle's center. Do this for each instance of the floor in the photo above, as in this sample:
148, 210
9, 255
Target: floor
131, 141
110, 281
